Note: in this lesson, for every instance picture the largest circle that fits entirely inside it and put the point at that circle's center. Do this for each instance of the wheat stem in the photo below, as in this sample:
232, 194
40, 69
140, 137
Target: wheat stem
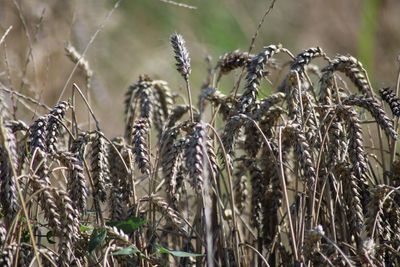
190, 99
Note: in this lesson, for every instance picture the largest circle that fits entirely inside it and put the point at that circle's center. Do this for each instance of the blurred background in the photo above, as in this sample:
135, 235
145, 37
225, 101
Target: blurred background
134, 40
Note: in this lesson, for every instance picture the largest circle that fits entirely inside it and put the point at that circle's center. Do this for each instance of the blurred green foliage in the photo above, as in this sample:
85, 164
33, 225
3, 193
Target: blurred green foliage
212, 21
367, 34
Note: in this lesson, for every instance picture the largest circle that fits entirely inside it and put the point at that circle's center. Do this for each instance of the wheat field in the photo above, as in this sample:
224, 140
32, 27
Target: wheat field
294, 164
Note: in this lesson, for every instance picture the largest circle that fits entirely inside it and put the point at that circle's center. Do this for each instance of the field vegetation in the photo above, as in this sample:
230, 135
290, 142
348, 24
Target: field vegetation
261, 157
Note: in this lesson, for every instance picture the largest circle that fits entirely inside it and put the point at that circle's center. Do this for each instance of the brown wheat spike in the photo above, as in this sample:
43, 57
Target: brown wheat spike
376, 110
48, 204
212, 158
217, 98
270, 119
305, 57
253, 139
54, 126
213, 95
126, 154
37, 135
115, 233
3, 234
356, 146
171, 162
79, 144
37, 144
7, 255
392, 215
390, 208
294, 87
241, 193
119, 197
131, 95
163, 102
70, 227
158, 112
311, 119
165, 96
375, 215
233, 60
230, 134
50, 209
4, 111
196, 153
255, 71
240, 185
267, 103
165, 209
128, 184
99, 166
167, 140
83, 64
352, 197
257, 194
76, 181
139, 101
147, 100
389, 97
49, 258
8, 169
181, 55
327, 85
353, 69
337, 145
176, 114
140, 145
25, 255
272, 196
356, 149
303, 152
267, 125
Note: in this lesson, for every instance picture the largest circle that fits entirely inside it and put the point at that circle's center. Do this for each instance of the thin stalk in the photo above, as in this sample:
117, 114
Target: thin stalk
101, 26
75, 87
257, 252
190, 99
231, 197
286, 197
253, 39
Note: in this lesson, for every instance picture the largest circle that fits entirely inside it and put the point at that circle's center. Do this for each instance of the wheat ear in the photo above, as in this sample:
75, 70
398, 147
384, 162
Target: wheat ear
182, 64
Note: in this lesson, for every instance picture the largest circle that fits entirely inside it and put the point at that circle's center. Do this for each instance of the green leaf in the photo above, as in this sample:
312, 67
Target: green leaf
126, 251
49, 236
129, 225
177, 253
23, 219
85, 228
96, 239
26, 236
